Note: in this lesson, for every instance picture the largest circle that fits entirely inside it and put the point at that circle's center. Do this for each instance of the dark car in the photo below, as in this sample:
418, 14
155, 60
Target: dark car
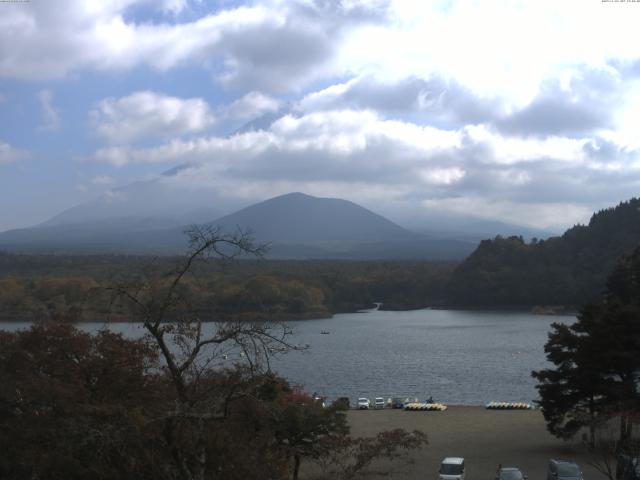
563, 470
628, 467
342, 403
509, 473
397, 403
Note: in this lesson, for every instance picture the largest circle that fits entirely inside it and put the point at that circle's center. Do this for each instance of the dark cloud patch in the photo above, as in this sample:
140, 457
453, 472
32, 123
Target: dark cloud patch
273, 57
554, 115
431, 99
338, 12
578, 109
605, 151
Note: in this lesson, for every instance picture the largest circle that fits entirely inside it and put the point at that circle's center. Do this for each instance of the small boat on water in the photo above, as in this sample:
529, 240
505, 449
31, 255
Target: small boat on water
325, 332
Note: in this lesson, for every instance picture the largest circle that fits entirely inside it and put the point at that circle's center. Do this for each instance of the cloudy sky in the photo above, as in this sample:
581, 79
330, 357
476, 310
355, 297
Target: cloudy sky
526, 112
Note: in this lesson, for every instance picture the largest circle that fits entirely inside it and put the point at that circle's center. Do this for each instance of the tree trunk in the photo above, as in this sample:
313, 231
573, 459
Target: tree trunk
592, 423
201, 451
296, 466
624, 430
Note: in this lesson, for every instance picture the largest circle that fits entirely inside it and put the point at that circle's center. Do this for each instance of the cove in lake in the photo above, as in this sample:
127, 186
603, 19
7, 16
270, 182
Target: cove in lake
457, 357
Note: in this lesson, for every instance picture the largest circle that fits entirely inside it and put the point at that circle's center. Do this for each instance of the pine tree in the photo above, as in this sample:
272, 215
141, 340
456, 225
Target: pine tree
597, 360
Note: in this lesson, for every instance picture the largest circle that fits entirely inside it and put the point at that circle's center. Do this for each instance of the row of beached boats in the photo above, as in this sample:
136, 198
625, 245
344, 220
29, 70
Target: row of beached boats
431, 406
425, 407
509, 406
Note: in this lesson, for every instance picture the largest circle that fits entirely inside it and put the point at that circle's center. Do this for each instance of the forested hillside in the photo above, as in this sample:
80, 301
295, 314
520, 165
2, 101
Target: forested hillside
74, 288
568, 270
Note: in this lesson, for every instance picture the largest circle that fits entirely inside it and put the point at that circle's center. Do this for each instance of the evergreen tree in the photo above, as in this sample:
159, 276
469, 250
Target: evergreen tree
597, 360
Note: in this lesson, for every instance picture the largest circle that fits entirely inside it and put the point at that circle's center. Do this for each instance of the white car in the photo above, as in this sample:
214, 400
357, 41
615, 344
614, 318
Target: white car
378, 402
364, 404
452, 468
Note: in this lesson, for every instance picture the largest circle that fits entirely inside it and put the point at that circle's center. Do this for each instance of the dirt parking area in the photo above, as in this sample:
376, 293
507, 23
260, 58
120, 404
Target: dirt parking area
483, 437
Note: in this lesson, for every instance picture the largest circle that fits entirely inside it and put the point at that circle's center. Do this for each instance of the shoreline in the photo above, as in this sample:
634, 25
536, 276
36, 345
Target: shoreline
319, 315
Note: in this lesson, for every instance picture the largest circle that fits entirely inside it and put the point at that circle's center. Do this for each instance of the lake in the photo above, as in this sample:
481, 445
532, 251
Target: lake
457, 357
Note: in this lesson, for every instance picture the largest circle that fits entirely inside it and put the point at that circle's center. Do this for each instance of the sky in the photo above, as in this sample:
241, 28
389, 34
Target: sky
526, 112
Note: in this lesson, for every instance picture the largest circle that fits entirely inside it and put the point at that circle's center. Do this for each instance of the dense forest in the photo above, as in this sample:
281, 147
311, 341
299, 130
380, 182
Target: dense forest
75, 288
568, 271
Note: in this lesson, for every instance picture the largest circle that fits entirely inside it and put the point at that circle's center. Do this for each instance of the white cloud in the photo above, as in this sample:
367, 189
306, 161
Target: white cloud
353, 153
335, 136
494, 46
252, 105
431, 99
102, 180
510, 150
50, 116
117, 156
442, 176
536, 214
9, 154
277, 45
149, 114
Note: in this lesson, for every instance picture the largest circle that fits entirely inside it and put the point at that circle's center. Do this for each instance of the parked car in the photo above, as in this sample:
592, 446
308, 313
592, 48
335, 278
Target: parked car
397, 403
628, 467
364, 403
452, 468
563, 470
378, 403
510, 473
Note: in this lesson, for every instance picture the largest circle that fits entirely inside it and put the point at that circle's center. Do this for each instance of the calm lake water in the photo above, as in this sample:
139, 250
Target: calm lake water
458, 357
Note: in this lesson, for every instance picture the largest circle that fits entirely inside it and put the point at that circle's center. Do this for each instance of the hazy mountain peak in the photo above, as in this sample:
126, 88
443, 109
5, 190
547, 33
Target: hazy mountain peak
298, 217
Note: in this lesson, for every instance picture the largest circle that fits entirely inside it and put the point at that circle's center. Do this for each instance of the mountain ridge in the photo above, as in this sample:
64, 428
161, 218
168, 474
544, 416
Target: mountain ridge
299, 226
570, 269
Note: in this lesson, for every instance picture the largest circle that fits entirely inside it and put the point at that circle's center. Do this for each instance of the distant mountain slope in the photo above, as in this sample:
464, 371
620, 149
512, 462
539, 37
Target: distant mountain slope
154, 198
302, 226
296, 217
112, 235
566, 270
296, 225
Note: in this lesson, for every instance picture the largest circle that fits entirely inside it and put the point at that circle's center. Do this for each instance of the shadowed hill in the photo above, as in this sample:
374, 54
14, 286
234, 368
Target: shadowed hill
297, 217
566, 270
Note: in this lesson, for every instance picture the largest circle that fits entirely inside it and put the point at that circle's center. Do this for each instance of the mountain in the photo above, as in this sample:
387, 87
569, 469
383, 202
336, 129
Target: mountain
301, 226
300, 218
567, 270
111, 235
158, 198
296, 226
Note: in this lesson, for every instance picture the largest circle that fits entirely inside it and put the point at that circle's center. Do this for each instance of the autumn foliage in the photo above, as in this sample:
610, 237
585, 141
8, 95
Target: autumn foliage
80, 406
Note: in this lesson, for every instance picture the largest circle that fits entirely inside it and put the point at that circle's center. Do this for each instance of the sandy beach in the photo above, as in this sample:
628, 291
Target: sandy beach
483, 437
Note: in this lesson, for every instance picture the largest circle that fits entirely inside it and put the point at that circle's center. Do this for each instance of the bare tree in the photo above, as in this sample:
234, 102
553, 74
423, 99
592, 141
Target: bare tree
191, 348
612, 456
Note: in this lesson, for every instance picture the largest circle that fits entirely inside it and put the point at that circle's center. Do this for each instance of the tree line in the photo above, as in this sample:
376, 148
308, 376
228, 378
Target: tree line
72, 288
569, 270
